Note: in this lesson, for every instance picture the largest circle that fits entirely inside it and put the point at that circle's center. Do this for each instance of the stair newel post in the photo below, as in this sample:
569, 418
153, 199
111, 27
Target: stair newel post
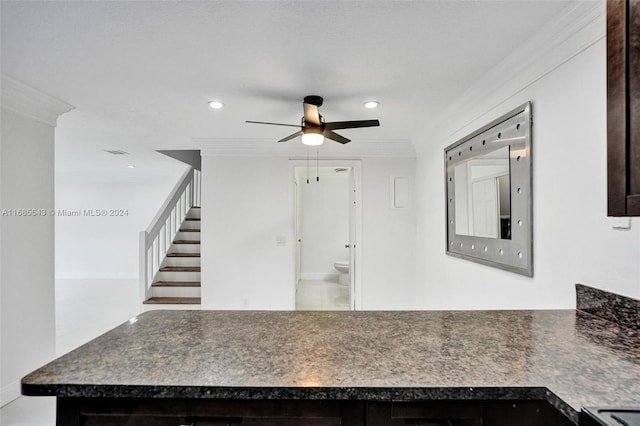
143, 265
154, 254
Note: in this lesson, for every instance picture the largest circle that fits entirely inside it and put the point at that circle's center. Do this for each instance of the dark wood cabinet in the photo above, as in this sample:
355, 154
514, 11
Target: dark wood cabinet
202, 412
432, 413
623, 107
464, 413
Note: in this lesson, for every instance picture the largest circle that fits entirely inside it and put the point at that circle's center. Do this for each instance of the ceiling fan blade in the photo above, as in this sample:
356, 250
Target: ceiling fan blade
335, 137
273, 124
293, 136
311, 114
351, 124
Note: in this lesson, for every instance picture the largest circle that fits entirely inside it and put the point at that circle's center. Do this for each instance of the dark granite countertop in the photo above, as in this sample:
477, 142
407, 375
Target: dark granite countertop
569, 358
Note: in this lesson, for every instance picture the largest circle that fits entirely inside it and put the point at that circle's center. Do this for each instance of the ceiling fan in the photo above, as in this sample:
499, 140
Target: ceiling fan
313, 129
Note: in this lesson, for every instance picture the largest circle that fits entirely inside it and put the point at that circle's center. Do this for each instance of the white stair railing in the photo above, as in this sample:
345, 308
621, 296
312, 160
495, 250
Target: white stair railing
156, 240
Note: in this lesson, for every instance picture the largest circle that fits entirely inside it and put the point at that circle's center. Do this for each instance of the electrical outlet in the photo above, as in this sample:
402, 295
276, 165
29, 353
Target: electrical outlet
620, 222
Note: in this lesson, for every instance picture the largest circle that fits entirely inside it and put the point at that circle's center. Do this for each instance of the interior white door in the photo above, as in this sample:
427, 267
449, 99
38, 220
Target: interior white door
352, 239
298, 236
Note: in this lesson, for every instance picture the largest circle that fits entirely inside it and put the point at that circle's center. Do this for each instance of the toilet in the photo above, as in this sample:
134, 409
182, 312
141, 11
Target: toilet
342, 266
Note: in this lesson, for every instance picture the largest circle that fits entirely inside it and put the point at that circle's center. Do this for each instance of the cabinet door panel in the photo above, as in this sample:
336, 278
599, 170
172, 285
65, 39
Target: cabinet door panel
634, 99
108, 420
178, 412
521, 413
428, 413
623, 107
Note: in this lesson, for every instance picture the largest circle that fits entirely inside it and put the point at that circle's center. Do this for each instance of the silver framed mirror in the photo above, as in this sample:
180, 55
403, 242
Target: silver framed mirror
489, 194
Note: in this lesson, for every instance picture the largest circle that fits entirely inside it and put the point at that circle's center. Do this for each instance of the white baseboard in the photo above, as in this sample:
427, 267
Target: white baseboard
9, 393
324, 276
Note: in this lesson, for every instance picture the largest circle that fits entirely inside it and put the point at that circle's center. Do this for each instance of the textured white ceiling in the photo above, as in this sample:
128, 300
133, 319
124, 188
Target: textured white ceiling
140, 73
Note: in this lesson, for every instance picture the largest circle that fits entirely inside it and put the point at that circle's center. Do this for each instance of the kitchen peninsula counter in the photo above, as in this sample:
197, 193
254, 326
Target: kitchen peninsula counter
567, 358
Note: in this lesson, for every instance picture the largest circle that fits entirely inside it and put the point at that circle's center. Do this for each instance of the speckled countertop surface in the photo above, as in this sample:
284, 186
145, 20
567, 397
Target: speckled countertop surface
569, 358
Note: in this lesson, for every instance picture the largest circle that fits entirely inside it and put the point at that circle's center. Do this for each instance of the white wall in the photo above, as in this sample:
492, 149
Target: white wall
573, 239
388, 237
88, 308
27, 285
247, 204
104, 247
245, 208
324, 222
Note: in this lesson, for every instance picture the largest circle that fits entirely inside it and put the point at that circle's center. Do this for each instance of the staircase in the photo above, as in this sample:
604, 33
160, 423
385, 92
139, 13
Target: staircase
169, 249
177, 282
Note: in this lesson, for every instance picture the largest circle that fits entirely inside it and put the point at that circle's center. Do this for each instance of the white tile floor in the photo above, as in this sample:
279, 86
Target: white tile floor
317, 295
29, 411
84, 310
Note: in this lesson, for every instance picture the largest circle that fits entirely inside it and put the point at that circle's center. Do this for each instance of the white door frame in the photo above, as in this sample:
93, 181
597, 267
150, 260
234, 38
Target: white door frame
356, 246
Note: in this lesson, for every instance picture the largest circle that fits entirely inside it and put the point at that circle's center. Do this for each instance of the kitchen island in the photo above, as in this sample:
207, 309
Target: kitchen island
462, 367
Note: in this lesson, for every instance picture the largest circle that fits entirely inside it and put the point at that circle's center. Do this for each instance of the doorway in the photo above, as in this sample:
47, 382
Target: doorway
326, 208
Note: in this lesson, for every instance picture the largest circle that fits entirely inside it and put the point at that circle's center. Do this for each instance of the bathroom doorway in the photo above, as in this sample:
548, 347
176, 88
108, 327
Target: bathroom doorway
326, 224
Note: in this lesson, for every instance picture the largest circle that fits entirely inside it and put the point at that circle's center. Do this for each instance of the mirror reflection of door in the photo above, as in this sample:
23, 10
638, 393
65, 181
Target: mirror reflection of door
504, 206
484, 208
483, 196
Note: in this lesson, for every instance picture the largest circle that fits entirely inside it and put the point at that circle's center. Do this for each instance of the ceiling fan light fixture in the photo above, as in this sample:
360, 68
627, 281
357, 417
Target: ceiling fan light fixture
216, 104
312, 138
371, 104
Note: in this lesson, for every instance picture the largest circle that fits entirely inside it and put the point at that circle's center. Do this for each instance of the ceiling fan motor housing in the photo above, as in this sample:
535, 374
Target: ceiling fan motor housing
313, 100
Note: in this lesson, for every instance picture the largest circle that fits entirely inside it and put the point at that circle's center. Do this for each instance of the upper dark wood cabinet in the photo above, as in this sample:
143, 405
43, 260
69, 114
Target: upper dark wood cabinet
623, 107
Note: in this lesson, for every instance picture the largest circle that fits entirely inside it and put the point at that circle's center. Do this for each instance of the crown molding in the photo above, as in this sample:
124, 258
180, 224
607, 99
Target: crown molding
30, 102
295, 149
576, 28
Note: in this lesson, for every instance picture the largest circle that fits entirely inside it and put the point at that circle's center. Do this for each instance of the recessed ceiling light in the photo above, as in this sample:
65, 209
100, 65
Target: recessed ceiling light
131, 166
371, 104
216, 104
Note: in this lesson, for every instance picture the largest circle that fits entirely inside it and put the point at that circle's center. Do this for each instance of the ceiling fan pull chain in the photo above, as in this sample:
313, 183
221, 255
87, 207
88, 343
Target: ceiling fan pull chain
317, 163
307, 164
